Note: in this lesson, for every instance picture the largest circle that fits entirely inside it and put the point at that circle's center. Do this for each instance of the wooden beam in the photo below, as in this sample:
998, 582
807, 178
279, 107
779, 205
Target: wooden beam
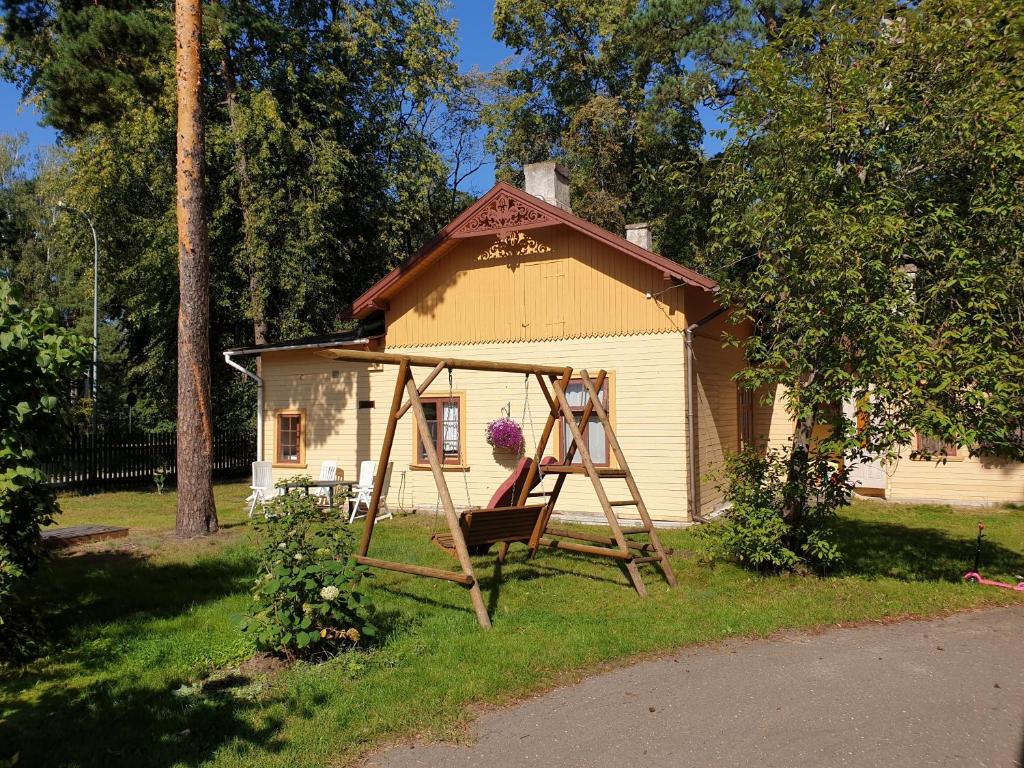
643, 546
421, 361
416, 570
615, 554
449, 507
423, 385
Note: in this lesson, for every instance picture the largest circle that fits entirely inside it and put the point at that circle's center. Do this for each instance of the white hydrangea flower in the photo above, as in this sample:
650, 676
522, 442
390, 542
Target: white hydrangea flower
299, 556
282, 545
329, 593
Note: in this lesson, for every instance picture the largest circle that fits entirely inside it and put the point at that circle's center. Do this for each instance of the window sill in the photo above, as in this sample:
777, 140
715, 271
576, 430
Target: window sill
444, 467
288, 466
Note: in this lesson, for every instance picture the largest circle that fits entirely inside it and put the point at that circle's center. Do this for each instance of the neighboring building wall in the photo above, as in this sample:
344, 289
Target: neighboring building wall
963, 480
548, 283
648, 410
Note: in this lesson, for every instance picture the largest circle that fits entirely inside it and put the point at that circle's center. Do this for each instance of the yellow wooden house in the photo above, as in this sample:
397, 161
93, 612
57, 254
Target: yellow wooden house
518, 278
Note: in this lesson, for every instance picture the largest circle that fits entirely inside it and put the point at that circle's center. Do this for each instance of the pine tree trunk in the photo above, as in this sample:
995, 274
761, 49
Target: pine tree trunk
197, 515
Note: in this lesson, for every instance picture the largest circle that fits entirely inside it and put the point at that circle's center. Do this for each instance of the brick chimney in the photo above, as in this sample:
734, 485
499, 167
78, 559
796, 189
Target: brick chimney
639, 234
549, 181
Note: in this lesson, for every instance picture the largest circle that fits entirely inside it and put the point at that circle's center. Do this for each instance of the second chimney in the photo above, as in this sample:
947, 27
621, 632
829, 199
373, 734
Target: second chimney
549, 181
639, 234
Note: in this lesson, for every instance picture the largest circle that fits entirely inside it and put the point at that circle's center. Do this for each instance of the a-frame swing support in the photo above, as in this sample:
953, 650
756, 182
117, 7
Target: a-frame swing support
406, 398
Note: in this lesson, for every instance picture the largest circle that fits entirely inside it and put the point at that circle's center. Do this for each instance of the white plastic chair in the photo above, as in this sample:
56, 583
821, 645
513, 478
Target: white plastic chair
262, 484
328, 471
363, 492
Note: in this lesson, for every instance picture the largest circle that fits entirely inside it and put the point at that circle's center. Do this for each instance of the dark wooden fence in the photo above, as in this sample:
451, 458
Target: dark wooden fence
112, 461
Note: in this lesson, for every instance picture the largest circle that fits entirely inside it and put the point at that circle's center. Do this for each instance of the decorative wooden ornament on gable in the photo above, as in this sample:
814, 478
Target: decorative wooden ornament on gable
504, 215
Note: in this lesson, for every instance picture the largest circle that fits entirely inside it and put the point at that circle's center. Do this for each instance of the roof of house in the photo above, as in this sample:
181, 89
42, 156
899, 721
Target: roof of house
503, 210
355, 337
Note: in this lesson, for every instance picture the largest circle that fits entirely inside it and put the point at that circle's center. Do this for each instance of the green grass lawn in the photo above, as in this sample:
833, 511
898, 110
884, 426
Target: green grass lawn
136, 623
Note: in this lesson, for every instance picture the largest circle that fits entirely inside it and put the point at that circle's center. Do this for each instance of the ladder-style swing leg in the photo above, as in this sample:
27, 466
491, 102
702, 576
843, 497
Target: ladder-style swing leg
634, 576
569, 452
620, 457
459, 542
602, 496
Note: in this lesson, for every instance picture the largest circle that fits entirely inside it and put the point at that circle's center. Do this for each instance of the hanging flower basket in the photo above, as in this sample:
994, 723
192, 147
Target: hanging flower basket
506, 434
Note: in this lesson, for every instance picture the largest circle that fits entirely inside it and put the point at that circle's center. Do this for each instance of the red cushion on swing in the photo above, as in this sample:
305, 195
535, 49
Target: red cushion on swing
508, 492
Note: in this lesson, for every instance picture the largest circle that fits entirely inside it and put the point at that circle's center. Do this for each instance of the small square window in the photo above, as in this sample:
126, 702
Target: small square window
933, 448
290, 447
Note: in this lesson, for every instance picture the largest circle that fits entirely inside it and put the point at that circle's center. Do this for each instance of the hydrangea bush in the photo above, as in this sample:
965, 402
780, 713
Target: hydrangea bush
506, 434
306, 598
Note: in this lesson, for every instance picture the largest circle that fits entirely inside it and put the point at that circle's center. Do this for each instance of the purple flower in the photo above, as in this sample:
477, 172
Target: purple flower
505, 433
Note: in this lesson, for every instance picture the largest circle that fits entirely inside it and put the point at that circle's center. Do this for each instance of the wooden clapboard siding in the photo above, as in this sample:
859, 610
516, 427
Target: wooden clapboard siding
718, 415
968, 480
646, 386
646, 390
329, 392
543, 284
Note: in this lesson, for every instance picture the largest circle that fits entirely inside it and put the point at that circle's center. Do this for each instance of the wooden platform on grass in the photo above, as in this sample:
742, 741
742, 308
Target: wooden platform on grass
73, 535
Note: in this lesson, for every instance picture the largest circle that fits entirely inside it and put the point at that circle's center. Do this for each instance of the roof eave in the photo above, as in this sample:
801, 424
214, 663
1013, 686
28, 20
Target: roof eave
287, 346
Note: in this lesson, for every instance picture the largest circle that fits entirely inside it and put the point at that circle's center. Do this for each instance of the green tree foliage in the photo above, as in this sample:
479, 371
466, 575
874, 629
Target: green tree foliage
611, 87
39, 361
869, 225
327, 135
588, 87
87, 63
760, 487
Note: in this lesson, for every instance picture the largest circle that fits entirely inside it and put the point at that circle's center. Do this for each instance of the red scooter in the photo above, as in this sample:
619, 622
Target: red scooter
976, 578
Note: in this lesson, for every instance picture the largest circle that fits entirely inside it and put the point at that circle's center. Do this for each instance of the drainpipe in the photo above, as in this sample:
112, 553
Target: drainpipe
692, 443
228, 358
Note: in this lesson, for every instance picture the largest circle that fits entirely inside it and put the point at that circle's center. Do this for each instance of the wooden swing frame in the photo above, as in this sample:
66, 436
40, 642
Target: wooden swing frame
407, 397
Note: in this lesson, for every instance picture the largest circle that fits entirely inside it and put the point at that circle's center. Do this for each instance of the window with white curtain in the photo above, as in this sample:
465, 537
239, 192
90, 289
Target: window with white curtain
444, 424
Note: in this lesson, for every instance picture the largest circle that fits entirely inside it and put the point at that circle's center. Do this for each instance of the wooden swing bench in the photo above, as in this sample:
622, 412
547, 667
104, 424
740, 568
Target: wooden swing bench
502, 521
482, 528
510, 518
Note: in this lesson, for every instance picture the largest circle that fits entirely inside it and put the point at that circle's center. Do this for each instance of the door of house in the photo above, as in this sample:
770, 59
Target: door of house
868, 476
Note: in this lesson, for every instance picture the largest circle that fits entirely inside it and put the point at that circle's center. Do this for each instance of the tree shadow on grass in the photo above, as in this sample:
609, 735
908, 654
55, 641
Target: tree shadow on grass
114, 723
94, 589
892, 550
88, 703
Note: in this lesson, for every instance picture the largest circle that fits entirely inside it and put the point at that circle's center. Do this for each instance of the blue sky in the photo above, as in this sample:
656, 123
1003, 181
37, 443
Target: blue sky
476, 48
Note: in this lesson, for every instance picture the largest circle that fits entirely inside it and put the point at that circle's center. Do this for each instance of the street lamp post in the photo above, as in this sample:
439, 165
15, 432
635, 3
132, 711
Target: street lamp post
95, 308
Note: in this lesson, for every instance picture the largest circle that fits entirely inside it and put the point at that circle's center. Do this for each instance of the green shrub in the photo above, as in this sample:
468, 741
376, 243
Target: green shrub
306, 598
39, 360
760, 487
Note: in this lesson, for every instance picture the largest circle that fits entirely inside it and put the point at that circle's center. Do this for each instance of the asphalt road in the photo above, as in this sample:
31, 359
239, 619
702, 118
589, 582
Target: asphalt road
948, 692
